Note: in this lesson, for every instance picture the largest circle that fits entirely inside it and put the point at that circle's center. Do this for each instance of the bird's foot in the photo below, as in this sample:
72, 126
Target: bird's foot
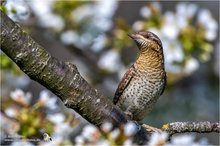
151, 129
129, 115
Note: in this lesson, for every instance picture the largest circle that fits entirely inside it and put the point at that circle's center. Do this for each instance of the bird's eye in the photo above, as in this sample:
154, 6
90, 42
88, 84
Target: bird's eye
147, 36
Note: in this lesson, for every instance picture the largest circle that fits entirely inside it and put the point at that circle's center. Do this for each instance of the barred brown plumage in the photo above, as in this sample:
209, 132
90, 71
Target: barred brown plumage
145, 80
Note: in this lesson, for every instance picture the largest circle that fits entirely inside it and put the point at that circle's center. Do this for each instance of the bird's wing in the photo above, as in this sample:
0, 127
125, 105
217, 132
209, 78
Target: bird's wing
165, 78
124, 83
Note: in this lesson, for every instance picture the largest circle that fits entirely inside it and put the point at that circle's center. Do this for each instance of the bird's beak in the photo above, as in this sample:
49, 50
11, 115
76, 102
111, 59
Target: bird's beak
130, 35
133, 36
137, 38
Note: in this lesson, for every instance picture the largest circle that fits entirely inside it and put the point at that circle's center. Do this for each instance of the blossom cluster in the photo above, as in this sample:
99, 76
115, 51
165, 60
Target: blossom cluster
125, 136
109, 136
17, 10
30, 120
187, 34
87, 23
24, 120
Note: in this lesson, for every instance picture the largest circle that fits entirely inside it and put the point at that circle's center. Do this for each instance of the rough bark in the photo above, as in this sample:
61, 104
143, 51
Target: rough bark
62, 78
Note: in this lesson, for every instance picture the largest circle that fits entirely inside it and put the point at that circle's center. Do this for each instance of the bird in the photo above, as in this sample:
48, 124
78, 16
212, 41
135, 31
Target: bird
145, 80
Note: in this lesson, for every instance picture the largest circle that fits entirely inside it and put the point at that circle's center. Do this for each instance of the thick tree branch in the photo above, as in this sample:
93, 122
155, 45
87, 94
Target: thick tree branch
199, 127
62, 78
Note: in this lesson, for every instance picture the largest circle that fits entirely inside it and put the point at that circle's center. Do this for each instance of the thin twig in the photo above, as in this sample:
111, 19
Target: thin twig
199, 127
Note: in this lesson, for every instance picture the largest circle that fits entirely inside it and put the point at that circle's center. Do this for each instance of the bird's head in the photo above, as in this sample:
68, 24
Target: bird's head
147, 40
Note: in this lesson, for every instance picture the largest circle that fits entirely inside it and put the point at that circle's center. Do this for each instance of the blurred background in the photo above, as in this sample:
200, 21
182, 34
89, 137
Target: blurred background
93, 36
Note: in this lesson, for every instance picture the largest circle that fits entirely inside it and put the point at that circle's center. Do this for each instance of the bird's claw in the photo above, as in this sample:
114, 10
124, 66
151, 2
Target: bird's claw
151, 129
129, 115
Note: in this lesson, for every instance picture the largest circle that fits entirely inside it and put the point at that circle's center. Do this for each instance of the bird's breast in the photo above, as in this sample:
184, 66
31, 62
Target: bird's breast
143, 88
